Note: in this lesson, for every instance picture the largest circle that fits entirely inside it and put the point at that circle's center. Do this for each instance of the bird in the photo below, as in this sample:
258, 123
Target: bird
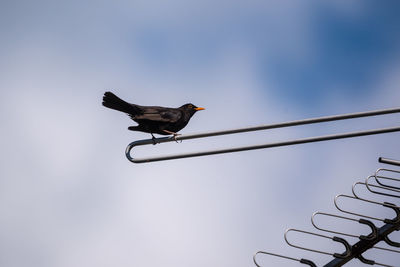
153, 119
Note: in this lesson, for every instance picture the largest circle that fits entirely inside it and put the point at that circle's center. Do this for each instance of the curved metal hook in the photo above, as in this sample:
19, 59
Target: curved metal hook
332, 215
396, 219
147, 142
371, 201
353, 213
391, 242
396, 209
372, 226
345, 254
387, 178
370, 186
374, 230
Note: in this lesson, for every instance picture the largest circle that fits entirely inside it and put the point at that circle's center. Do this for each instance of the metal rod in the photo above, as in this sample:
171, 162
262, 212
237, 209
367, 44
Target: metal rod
244, 148
370, 186
353, 213
306, 232
386, 177
389, 161
258, 128
332, 215
368, 200
304, 261
272, 254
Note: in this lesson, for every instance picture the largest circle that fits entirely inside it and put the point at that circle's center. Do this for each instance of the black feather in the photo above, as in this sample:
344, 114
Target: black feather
152, 119
114, 102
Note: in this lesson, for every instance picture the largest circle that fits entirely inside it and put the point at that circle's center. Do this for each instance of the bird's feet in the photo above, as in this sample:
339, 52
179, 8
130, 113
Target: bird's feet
154, 139
174, 134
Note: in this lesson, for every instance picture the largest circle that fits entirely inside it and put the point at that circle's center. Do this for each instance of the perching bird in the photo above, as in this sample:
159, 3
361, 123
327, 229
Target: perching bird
153, 119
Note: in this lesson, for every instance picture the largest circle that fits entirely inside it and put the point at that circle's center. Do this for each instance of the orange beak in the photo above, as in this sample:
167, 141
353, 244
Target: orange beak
197, 109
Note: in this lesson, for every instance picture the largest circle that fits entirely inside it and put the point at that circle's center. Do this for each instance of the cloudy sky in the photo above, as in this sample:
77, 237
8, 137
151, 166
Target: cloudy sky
68, 195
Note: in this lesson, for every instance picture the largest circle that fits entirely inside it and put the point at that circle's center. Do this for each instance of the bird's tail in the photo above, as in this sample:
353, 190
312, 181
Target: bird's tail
114, 102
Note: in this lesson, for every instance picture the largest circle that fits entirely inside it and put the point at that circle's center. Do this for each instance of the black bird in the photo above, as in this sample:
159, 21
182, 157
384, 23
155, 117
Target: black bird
153, 119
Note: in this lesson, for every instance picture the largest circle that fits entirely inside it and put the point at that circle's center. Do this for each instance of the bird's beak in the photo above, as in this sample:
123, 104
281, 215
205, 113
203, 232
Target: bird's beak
197, 109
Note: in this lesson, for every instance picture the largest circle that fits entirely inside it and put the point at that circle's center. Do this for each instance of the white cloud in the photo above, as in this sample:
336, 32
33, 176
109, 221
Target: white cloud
71, 198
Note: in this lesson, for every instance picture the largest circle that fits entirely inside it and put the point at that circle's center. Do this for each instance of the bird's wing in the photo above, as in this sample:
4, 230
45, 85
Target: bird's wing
159, 114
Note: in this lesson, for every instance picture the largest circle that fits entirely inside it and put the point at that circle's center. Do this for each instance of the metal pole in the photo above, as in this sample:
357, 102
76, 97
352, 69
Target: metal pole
244, 148
262, 127
389, 161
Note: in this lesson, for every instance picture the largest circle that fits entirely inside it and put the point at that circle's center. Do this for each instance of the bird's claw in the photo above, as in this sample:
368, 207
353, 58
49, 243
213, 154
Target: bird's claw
154, 139
175, 135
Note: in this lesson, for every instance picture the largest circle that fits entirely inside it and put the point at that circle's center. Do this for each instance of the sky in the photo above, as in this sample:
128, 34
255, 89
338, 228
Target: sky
69, 196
